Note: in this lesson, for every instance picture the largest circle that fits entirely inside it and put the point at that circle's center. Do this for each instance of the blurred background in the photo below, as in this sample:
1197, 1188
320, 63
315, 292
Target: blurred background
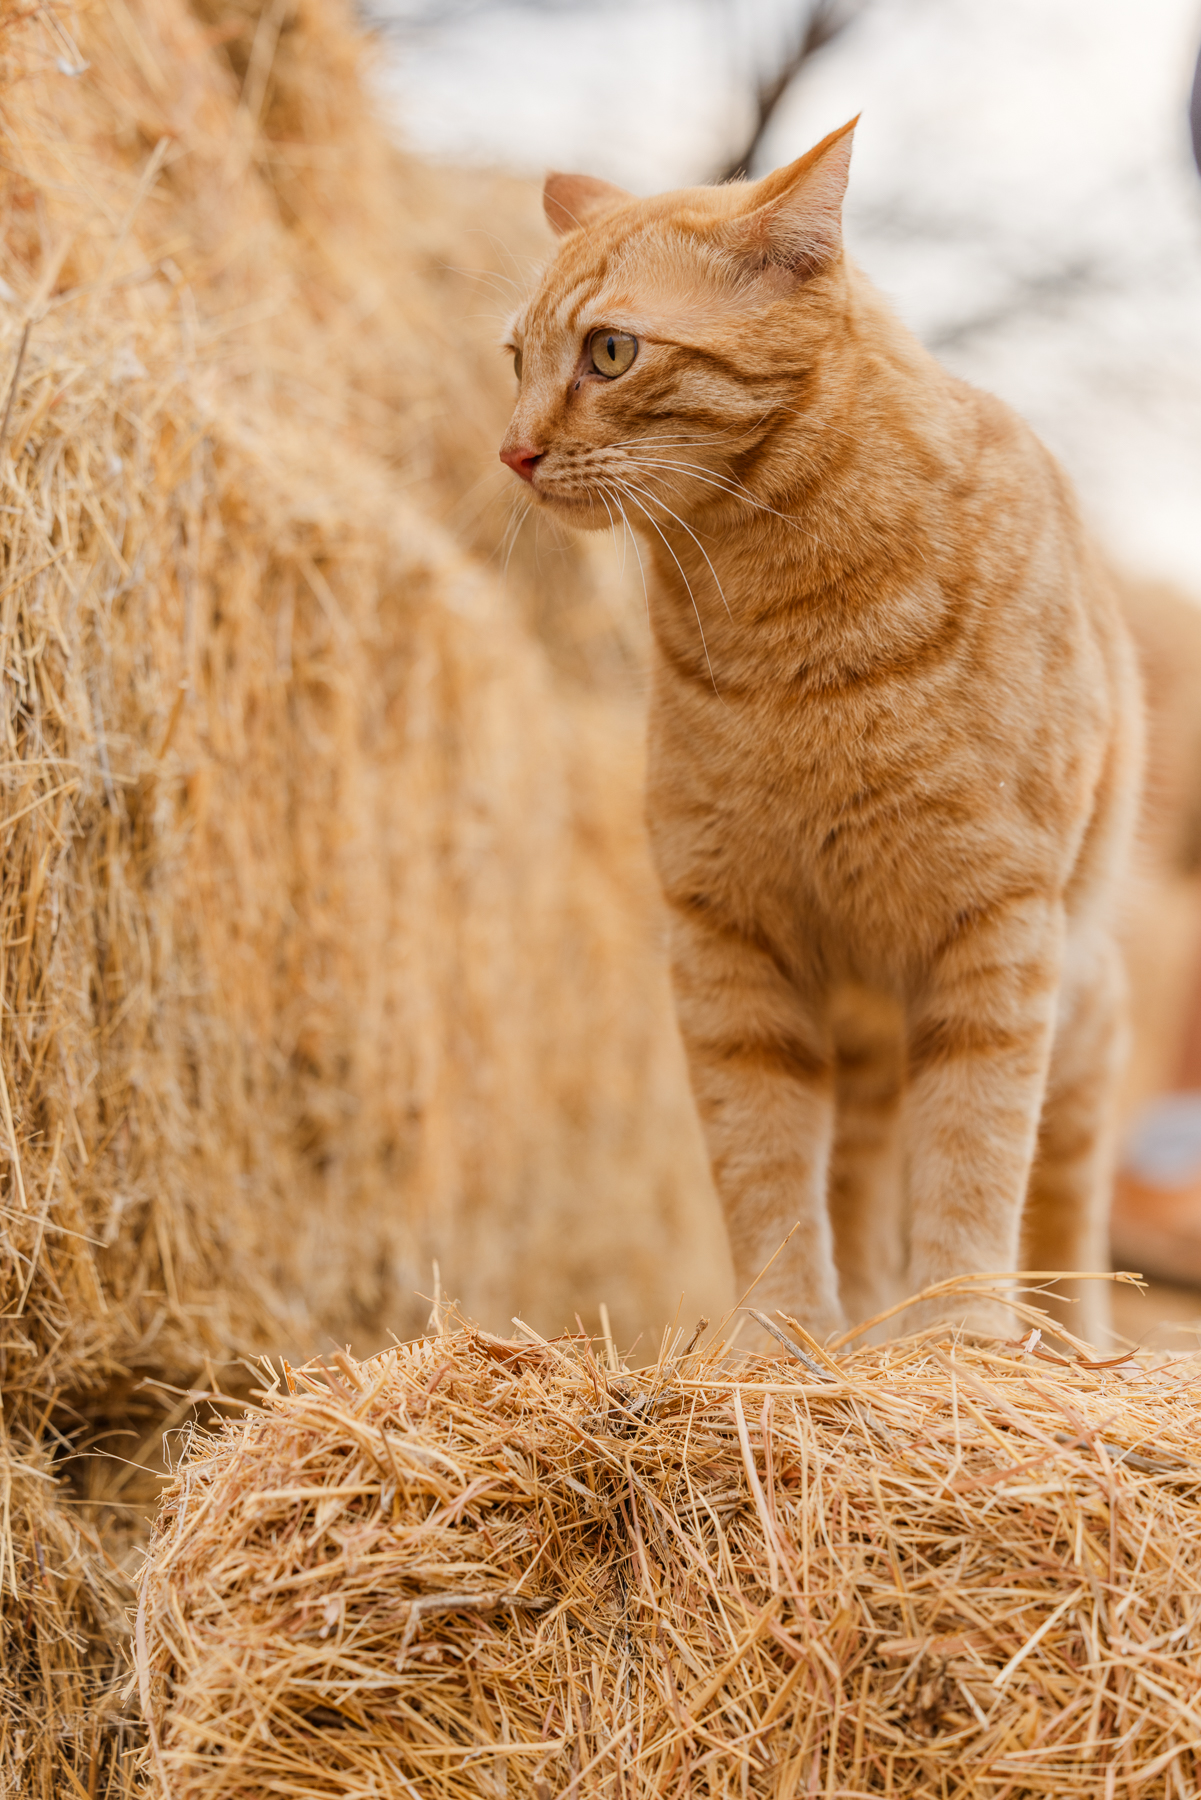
1023, 184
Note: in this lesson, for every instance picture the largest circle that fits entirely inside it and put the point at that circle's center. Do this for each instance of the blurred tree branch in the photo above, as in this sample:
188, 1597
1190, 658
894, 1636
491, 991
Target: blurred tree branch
1038, 294
824, 19
818, 22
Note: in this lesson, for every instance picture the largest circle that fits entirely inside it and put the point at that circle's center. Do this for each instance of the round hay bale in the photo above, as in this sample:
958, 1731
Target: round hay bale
335, 943
505, 1568
62, 1640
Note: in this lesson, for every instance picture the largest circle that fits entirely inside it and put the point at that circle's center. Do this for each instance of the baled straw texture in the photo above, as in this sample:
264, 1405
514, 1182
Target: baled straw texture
482, 1567
327, 934
62, 1631
330, 936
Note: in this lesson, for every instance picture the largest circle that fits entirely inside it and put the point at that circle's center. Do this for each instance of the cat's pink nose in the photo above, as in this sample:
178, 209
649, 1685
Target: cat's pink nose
522, 461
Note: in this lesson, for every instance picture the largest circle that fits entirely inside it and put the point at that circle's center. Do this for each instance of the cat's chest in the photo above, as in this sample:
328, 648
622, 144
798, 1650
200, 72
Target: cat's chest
822, 799
839, 811
822, 768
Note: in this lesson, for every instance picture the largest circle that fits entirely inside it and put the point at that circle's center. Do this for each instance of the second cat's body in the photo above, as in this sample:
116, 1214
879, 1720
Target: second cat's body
894, 753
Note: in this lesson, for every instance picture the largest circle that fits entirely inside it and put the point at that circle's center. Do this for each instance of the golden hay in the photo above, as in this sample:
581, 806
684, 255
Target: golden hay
62, 1638
329, 940
330, 935
474, 1566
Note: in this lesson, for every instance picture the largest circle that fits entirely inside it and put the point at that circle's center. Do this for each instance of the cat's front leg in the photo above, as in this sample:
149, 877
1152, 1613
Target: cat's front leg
979, 1038
760, 1061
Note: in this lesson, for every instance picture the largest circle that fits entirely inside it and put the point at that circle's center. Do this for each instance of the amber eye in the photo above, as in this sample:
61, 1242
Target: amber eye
612, 352
517, 364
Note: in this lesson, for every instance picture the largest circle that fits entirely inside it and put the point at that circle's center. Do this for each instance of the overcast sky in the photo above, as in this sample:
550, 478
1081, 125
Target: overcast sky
1022, 186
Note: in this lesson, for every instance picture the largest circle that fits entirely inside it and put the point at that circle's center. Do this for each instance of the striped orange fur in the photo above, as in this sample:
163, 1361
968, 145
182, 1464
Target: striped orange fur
894, 740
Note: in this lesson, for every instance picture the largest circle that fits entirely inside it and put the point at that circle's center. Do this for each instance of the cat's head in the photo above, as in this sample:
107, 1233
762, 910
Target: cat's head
669, 338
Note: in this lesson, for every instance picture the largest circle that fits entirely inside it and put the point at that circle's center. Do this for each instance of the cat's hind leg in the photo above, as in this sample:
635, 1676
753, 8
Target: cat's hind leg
866, 1178
1066, 1221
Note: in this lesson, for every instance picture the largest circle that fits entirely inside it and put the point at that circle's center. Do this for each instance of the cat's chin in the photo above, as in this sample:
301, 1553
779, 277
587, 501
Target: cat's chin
581, 515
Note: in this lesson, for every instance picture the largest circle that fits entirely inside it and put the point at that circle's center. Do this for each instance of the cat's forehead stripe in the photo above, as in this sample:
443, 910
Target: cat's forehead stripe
571, 307
635, 274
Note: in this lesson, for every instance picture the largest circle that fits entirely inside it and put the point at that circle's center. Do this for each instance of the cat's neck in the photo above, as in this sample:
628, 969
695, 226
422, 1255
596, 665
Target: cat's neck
828, 565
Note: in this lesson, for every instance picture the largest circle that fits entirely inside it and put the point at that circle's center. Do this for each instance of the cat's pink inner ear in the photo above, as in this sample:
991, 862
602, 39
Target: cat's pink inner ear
569, 200
796, 222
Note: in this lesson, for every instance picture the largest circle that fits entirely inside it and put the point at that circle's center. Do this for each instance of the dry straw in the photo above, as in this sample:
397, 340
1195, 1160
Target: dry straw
62, 1633
305, 837
308, 827
502, 1567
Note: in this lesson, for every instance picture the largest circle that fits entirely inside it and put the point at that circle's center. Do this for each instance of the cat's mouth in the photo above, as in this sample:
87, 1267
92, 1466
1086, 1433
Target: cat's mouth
584, 507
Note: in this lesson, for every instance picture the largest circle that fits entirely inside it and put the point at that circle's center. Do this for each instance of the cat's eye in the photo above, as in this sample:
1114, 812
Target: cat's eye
517, 364
612, 352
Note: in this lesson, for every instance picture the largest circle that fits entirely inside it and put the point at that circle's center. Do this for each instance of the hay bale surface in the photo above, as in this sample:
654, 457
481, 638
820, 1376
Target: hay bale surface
62, 1633
483, 1567
332, 939
329, 935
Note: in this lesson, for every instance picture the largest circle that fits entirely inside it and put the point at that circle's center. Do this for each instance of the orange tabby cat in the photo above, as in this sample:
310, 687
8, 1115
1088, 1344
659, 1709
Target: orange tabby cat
894, 739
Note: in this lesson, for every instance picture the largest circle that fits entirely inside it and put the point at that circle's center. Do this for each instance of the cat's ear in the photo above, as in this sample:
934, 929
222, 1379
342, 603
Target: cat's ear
796, 221
568, 200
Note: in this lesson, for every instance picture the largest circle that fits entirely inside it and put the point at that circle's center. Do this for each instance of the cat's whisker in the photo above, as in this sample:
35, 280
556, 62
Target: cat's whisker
687, 437
717, 477
710, 480
663, 443
626, 489
612, 528
625, 536
731, 431
628, 462
673, 487
692, 534
625, 544
728, 485
483, 275
524, 264
629, 533
514, 519
518, 515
